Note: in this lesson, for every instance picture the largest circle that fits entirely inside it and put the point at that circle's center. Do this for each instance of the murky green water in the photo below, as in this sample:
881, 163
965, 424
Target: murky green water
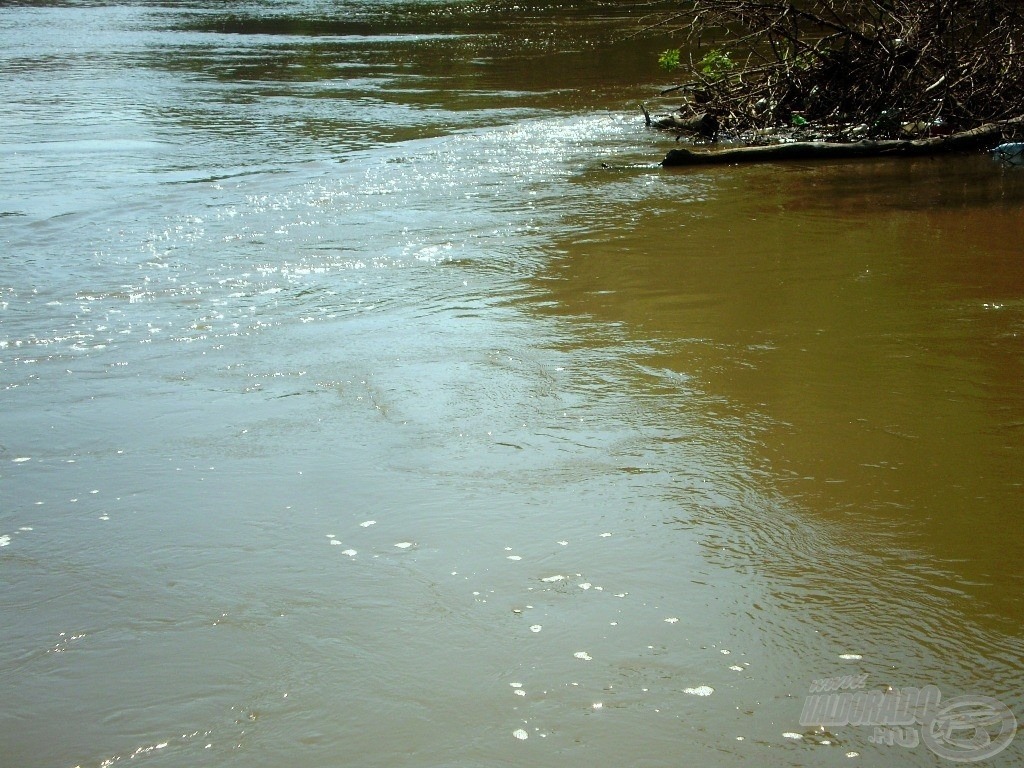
351, 413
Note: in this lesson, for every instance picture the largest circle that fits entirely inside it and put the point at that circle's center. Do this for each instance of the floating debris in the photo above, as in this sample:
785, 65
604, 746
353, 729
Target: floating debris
536, 628
791, 735
853, 754
583, 655
1010, 154
520, 734
700, 690
597, 705
850, 656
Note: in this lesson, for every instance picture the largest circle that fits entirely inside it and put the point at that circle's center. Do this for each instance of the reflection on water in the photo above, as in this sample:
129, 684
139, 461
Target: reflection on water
354, 413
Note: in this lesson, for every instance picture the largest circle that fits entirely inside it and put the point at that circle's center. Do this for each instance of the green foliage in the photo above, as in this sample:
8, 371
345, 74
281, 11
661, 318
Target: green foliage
669, 59
716, 64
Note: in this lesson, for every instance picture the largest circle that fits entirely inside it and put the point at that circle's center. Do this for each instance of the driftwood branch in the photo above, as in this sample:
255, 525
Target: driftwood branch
983, 136
952, 64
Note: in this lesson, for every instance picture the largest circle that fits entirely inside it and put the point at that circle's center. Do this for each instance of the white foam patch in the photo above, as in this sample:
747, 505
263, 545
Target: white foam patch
520, 734
404, 544
516, 685
21, 459
725, 652
564, 543
367, 523
850, 656
5, 541
336, 542
791, 735
520, 692
605, 535
514, 557
585, 585
349, 552
536, 628
700, 690
583, 656
552, 579
671, 620
736, 668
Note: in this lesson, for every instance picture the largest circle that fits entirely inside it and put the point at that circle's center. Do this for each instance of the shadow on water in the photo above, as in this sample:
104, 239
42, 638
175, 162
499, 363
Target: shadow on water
857, 330
449, 67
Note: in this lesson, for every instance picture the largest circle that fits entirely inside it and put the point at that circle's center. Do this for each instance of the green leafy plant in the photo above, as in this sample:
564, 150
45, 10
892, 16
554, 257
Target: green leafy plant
669, 59
716, 64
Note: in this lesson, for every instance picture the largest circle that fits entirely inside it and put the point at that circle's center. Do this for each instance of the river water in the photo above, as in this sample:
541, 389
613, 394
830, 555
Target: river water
352, 412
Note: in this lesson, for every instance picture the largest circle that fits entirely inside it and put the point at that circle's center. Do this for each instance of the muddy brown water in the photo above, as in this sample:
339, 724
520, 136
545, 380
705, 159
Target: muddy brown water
352, 413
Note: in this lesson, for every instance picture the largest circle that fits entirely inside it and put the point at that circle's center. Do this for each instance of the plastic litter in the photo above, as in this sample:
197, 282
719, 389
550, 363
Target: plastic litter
1010, 154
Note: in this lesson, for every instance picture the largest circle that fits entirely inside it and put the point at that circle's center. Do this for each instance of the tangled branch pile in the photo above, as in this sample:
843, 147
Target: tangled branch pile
876, 68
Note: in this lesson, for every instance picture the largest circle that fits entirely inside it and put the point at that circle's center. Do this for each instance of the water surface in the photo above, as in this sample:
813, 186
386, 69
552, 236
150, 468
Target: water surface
353, 412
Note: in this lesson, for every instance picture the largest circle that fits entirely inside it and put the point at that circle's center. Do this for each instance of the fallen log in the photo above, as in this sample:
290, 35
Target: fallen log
983, 136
